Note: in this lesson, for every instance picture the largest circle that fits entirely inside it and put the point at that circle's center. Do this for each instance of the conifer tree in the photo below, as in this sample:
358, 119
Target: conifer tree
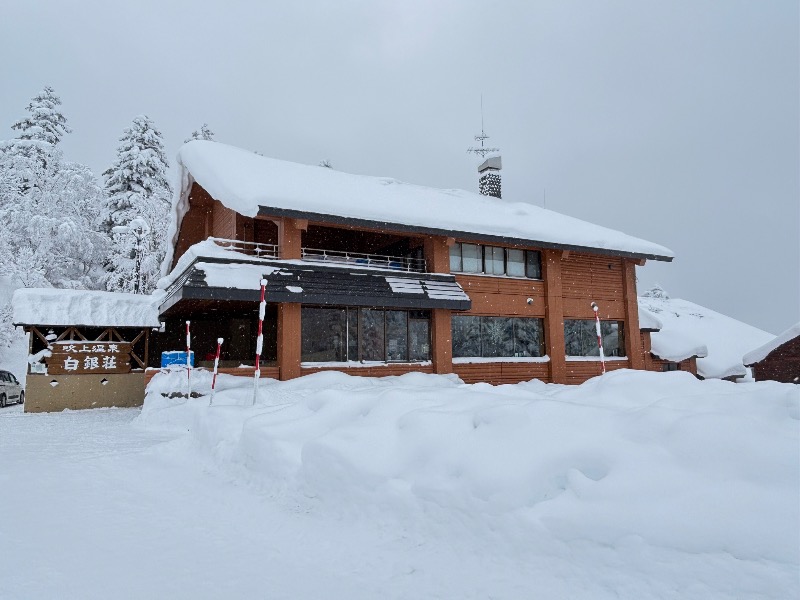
45, 122
137, 188
204, 134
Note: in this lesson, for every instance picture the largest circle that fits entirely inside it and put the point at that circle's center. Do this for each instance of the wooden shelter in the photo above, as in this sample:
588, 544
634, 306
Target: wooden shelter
778, 360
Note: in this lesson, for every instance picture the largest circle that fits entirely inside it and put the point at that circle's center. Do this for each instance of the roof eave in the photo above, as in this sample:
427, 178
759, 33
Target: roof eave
269, 211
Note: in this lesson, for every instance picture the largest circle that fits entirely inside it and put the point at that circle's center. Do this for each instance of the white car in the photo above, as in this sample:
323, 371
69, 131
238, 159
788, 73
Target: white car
10, 390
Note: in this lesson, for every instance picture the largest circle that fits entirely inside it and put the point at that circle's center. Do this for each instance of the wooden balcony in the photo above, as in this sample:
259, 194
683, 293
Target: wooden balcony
379, 261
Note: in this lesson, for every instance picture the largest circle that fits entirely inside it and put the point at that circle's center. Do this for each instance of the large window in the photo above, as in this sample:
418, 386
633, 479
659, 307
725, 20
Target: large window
494, 260
497, 337
580, 337
368, 334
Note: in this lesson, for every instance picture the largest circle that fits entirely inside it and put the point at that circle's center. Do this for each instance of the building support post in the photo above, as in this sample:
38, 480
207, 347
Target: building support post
554, 316
288, 340
633, 339
441, 341
290, 238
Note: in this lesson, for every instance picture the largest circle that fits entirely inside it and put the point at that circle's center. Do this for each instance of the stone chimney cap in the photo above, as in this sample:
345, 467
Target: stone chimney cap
491, 163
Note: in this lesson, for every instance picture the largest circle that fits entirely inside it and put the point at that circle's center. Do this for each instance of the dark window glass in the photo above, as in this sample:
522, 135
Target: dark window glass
515, 262
497, 336
670, 366
323, 334
471, 258
466, 336
396, 335
580, 337
528, 337
372, 335
494, 260
494, 337
352, 334
533, 264
419, 338
455, 258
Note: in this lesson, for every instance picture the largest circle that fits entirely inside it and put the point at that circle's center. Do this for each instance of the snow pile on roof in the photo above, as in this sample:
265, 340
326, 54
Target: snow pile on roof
760, 353
206, 249
648, 320
689, 329
88, 308
629, 474
244, 181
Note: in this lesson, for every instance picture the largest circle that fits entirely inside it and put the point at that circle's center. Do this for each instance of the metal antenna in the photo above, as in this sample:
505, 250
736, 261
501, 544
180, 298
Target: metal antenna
482, 151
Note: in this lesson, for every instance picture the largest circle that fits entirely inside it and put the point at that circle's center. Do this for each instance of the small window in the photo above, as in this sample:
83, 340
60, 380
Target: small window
455, 258
515, 262
533, 264
471, 258
670, 366
494, 260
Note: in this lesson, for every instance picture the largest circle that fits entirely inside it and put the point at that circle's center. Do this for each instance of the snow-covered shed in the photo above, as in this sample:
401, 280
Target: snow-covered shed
87, 349
777, 359
689, 331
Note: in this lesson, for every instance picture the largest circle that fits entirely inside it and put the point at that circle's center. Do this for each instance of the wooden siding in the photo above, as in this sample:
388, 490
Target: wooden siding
654, 363
586, 278
503, 295
502, 372
579, 371
223, 222
387, 370
782, 364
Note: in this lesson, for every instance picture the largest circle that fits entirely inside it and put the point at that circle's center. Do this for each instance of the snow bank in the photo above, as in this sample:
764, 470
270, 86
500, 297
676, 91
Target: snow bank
657, 460
243, 181
688, 329
761, 352
50, 306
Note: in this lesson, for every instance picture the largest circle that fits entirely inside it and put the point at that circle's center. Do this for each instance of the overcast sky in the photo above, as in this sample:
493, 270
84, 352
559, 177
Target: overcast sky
672, 121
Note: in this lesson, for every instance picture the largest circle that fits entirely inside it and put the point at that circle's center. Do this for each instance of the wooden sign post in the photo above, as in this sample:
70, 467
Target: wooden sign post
74, 357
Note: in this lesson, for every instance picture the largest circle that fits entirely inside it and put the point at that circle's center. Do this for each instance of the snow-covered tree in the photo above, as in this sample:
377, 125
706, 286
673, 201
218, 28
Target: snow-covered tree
45, 123
325, 163
137, 188
204, 134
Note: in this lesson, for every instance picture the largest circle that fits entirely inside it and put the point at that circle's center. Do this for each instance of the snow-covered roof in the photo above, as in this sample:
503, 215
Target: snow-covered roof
761, 352
244, 182
648, 321
88, 308
688, 329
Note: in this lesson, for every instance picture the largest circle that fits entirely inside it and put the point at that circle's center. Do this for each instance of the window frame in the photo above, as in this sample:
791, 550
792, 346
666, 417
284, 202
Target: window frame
456, 257
588, 339
481, 325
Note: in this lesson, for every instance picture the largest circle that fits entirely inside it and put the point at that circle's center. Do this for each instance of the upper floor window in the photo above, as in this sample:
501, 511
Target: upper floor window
495, 260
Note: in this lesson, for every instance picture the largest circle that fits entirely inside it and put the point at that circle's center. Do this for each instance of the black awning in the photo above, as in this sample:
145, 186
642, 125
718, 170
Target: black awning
316, 284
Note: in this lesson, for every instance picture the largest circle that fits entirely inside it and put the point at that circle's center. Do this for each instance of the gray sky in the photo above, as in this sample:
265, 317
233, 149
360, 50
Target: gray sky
672, 121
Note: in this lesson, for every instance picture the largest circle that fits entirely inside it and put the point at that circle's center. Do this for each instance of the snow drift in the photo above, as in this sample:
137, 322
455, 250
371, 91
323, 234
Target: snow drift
661, 460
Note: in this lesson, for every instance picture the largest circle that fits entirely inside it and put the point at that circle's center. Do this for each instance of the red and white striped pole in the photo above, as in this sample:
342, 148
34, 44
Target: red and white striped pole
216, 365
262, 309
596, 308
188, 361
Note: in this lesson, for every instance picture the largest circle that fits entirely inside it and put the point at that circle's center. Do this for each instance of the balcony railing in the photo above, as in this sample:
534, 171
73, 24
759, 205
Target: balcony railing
249, 248
397, 263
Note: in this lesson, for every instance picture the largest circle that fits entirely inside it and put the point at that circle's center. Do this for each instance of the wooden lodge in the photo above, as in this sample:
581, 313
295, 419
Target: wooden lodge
374, 277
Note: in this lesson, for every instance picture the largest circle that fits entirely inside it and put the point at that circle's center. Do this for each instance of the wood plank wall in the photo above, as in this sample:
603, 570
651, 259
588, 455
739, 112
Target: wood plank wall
586, 278
502, 372
387, 370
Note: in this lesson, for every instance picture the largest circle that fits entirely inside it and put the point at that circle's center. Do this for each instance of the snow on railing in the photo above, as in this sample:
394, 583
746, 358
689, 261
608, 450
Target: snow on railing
250, 248
398, 263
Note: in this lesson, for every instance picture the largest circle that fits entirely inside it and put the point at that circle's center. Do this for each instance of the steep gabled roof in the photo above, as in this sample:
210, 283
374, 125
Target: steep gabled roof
249, 183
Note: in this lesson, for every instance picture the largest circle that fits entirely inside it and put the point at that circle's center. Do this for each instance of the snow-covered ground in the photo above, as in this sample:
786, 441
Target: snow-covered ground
633, 485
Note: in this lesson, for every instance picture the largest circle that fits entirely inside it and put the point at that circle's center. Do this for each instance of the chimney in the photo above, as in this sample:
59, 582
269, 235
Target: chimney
489, 179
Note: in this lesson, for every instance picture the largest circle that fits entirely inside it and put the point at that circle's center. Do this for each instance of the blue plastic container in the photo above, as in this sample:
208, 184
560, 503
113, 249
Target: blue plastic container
175, 358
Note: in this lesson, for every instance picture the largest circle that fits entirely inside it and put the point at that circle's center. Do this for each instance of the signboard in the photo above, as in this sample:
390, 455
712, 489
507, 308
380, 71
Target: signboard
78, 357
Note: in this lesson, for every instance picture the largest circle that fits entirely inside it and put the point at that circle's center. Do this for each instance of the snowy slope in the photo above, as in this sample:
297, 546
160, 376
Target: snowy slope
760, 353
243, 181
688, 329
